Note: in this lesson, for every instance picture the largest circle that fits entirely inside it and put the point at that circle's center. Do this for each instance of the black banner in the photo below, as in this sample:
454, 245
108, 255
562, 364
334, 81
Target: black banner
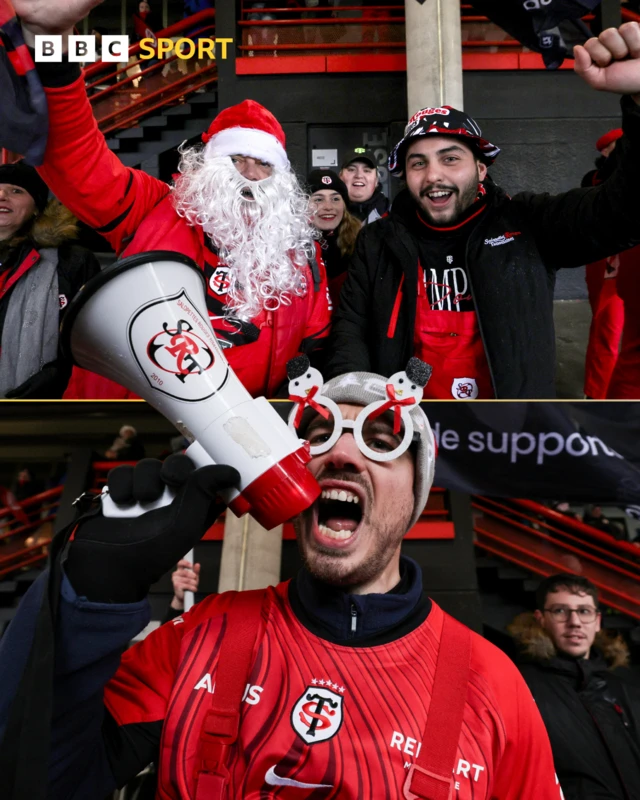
581, 452
548, 27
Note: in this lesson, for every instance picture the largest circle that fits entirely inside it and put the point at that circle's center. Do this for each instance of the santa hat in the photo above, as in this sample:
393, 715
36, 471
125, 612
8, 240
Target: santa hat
607, 138
247, 129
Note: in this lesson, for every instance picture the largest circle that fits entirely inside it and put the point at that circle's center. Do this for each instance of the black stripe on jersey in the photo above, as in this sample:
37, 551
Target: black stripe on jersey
115, 222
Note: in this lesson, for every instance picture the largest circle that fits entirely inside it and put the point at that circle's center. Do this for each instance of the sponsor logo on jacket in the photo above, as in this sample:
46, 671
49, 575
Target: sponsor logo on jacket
507, 237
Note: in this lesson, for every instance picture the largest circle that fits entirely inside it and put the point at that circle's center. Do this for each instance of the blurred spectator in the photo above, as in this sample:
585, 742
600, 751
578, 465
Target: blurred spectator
126, 446
338, 228
607, 307
145, 22
563, 507
592, 714
185, 578
25, 485
360, 174
40, 272
145, 25
593, 516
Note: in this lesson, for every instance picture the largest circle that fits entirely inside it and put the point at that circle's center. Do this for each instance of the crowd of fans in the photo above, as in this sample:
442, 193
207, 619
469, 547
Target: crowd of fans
287, 269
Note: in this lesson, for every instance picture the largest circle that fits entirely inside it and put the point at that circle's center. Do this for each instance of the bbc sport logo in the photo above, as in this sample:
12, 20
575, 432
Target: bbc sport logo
116, 48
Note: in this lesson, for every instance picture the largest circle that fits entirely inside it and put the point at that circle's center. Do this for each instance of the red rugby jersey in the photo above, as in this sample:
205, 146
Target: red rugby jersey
321, 720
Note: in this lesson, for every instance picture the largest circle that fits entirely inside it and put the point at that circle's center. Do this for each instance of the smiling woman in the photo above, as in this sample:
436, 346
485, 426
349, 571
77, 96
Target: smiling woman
336, 226
16, 207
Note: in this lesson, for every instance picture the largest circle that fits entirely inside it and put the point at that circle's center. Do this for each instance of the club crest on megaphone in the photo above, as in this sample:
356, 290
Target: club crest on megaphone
176, 348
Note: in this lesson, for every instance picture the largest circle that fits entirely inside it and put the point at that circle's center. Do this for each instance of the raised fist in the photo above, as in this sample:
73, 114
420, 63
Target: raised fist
116, 559
52, 16
611, 62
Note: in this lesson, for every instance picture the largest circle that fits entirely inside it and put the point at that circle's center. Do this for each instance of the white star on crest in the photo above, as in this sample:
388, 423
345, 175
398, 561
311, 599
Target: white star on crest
314, 681
341, 690
321, 683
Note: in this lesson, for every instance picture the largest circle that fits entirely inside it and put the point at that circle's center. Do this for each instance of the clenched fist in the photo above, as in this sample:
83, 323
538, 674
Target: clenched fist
52, 16
611, 62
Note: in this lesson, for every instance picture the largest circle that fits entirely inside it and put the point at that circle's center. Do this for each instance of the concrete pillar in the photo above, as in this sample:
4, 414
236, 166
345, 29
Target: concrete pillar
608, 14
251, 554
434, 54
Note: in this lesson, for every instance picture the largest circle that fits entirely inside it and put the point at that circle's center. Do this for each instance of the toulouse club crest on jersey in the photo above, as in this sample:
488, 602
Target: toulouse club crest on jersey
317, 716
176, 349
464, 388
220, 281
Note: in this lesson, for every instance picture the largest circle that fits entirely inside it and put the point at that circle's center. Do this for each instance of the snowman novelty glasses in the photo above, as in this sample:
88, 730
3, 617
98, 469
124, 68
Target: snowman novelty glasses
377, 437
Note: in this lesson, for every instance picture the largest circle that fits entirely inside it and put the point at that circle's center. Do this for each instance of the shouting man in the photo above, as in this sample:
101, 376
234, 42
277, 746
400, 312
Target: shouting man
237, 210
334, 685
462, 275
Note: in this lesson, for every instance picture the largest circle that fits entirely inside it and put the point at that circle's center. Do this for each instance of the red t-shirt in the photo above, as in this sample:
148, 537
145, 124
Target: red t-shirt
326, 720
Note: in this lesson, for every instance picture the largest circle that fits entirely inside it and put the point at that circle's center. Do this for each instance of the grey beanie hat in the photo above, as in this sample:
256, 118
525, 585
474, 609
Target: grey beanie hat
362, 388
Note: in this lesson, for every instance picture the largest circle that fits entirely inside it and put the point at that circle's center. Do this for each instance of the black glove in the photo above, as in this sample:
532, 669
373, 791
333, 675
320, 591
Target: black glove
115, 560
47, 384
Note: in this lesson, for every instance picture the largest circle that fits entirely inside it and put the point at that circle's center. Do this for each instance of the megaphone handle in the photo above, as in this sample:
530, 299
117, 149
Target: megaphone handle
113, 509
189, 597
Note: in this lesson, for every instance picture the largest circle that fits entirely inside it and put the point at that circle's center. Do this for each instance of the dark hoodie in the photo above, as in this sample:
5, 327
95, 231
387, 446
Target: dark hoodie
592, 714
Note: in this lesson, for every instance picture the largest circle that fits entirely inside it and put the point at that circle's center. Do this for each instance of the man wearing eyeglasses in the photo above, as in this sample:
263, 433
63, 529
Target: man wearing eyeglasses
592, 714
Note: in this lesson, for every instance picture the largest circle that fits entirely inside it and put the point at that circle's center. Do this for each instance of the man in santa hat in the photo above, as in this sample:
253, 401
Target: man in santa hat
236, 208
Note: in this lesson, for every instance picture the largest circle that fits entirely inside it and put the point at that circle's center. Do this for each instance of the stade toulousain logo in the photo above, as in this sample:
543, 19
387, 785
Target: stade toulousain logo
317, 715
179, 351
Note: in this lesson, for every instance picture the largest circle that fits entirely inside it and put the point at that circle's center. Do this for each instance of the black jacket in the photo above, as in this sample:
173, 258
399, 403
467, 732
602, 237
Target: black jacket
372, 209
512, 279
592, 714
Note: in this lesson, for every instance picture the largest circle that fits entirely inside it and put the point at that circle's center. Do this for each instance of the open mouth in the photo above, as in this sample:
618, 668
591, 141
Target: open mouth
339, 516
246, 193
4, 210
327, 217
440, 197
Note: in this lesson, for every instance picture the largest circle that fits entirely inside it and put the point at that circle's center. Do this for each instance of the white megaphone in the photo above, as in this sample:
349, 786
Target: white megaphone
143, 323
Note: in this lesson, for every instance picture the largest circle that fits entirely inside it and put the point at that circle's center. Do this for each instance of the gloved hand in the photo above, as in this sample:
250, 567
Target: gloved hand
47, 384
115, 560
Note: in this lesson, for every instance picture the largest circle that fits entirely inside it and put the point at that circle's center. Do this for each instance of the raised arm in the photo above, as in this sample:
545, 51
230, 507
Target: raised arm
56, 715
79, 167
585, 225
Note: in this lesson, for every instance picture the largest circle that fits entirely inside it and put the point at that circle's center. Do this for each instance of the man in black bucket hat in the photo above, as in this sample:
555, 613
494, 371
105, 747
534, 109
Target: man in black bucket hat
460, 274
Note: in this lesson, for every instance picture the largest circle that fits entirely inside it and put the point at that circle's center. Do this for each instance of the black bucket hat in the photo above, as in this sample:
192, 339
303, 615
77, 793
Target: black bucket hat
444, 121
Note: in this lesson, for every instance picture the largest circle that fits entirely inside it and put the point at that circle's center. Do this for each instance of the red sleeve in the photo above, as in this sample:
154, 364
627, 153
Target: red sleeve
526, 770
142, 686
87, 177
140, 689
319, 320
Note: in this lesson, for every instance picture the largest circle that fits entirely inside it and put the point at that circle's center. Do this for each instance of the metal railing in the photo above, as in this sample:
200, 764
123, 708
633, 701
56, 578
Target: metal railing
26, 530
353, 29
545, 541
122, 95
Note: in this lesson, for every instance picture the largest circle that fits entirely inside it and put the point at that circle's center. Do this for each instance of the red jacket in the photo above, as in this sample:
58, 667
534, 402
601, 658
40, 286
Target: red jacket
360, 748
134, 212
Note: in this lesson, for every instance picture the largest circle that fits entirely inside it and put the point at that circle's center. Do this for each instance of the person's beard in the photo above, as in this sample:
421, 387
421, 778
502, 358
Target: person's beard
464, 197
332, 566
265, 241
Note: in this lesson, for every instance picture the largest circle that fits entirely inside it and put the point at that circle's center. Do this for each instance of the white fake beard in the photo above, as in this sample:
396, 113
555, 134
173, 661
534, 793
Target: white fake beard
266, 241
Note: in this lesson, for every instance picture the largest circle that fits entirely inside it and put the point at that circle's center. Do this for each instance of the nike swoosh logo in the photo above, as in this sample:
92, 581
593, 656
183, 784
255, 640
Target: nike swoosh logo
275, 780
